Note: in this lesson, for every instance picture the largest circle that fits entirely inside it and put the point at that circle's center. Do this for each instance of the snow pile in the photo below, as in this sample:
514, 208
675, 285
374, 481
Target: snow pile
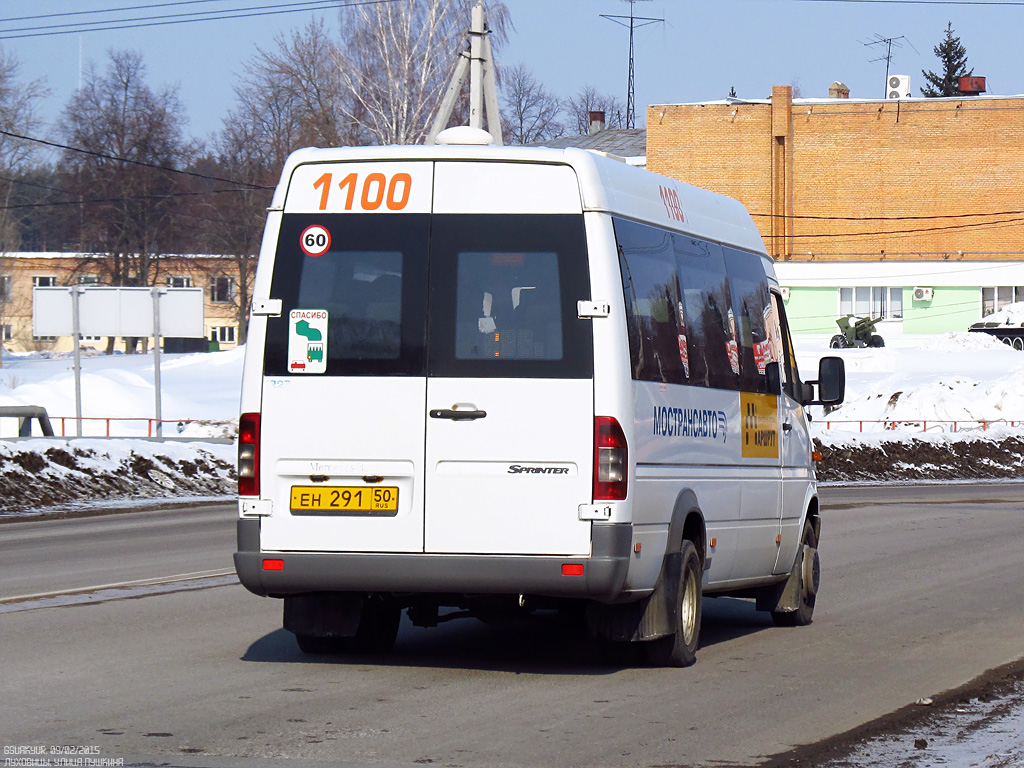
1011, 314
955, 381
198, 391
949, 407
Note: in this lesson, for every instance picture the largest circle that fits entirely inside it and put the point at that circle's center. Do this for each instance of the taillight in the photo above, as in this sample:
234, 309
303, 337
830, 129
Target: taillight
249, 454
611, 467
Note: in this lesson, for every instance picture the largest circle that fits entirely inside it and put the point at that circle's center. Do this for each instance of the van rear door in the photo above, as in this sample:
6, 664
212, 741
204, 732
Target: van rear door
344, 388
509, 433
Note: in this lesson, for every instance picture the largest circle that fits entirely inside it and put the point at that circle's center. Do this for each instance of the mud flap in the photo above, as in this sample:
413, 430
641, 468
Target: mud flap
787, 596
653, 616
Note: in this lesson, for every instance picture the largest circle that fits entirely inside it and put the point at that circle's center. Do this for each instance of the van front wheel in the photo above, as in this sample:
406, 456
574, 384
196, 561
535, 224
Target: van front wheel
679, 649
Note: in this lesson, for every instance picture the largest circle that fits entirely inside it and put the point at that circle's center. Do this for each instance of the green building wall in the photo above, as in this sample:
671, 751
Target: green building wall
814, 310
951, 309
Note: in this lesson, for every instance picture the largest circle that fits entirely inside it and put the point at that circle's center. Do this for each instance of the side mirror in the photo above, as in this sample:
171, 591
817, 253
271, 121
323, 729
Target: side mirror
831, 382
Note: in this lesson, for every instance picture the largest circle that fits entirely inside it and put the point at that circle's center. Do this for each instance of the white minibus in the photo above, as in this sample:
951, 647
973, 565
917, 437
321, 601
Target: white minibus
507, 379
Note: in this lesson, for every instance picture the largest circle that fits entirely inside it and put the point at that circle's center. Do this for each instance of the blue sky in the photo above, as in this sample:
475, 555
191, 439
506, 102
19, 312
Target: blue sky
703, 48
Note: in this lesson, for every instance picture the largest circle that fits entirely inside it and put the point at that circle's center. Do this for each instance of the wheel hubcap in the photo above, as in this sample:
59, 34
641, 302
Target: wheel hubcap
688, 617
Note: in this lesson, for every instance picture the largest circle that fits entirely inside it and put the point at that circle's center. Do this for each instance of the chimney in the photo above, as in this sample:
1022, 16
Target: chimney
838, 91
596, 122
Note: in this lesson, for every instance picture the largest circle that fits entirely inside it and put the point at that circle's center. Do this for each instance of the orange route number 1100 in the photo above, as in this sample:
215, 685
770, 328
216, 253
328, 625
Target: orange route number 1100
375, 190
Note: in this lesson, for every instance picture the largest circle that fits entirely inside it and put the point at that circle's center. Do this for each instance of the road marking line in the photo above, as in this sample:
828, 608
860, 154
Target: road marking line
159, 580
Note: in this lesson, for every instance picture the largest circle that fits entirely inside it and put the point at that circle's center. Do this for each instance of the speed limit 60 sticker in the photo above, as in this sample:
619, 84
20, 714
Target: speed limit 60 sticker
315, 240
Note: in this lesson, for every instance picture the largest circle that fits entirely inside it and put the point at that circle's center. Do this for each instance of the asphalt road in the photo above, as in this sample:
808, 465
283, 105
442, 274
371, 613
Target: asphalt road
921, 593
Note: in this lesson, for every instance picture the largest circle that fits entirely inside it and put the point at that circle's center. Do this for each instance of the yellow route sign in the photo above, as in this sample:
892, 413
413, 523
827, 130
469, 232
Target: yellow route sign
760, 426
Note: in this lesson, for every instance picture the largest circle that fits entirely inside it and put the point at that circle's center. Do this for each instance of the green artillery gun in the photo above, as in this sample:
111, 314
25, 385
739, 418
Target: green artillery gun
856, 332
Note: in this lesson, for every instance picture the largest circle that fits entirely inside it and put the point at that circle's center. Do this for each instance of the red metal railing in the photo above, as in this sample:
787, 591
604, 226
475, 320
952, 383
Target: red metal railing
66, 421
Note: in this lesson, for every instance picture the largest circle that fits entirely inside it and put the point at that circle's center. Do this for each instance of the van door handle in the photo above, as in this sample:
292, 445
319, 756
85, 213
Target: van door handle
448, 413
786, 426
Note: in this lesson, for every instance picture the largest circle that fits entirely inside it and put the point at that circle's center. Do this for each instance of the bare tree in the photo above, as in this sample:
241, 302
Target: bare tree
293, 96
589, 100
116, 115
232, 219
18, 115
531, 113
398, 57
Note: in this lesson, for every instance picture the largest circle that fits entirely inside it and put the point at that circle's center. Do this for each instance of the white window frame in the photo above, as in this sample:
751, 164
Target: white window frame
872, 301
229, 293
224, 334
995, 297
44, 281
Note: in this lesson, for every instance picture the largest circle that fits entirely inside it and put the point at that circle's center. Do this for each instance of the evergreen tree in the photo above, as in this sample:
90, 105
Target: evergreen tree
953, 57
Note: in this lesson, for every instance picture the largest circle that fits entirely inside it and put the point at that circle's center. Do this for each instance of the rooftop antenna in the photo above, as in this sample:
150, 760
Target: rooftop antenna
889, 43
634, 22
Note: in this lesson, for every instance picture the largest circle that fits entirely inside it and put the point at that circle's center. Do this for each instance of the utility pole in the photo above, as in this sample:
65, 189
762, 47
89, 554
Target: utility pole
483, 86
635, 22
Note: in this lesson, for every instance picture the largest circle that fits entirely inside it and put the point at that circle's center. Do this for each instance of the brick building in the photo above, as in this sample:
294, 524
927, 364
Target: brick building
20, 272
919, 193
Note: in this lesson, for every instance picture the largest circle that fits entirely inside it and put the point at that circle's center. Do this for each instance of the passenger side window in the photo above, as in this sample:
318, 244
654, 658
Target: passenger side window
657, 334
782, 346
696, 312
710, 320
749, 291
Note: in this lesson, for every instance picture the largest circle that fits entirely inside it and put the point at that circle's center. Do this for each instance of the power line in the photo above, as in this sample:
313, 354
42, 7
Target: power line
98, 200
106, 10
105, 156
919, 2
922, 217
974, 225
235, 13
84, 25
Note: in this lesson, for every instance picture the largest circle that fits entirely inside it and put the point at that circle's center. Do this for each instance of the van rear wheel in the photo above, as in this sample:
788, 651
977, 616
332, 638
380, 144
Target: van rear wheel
679, 649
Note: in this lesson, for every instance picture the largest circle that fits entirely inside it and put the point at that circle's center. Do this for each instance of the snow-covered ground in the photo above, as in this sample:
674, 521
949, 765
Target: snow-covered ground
892, 394
198, 390
965, 378
961, 377
199, 402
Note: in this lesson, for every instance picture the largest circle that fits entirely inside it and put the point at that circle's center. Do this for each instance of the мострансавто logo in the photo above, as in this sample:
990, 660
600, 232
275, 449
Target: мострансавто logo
700, 423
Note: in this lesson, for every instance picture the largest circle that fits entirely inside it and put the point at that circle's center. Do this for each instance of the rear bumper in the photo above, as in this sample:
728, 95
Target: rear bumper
604, 572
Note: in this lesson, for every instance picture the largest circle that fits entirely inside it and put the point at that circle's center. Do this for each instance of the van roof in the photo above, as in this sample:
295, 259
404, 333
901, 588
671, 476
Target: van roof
607, 185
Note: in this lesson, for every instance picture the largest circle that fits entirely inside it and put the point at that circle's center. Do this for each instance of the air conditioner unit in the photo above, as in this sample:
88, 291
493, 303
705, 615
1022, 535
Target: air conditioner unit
785, 292
923, 294
898, 87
